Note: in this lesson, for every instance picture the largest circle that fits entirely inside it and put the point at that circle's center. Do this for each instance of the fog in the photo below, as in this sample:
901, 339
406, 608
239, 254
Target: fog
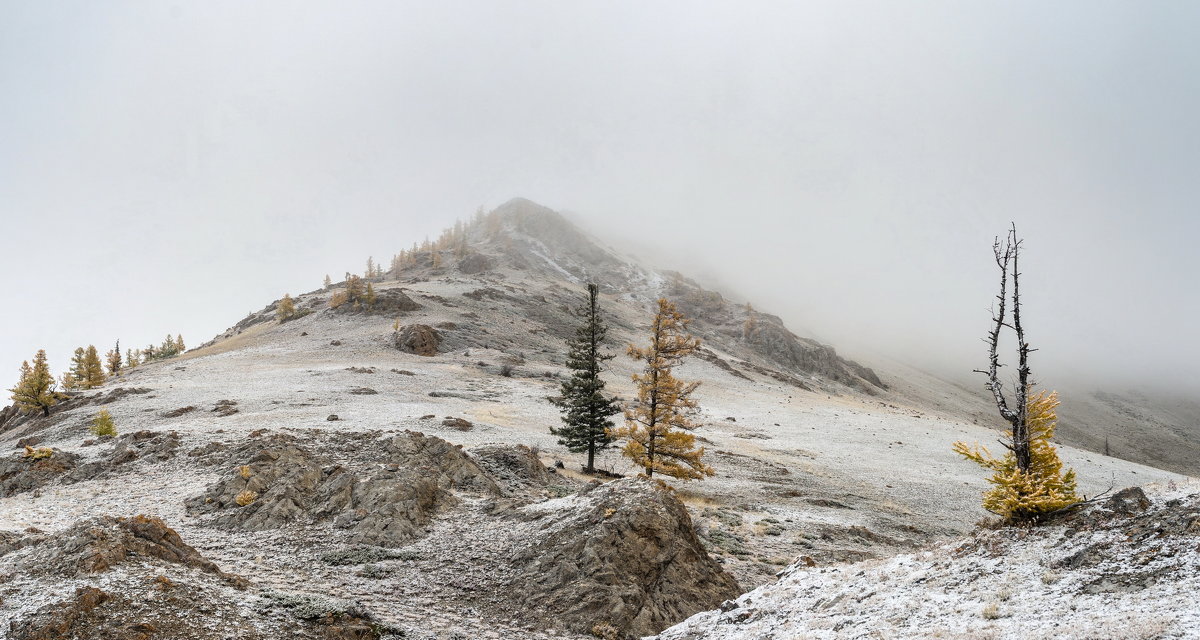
845, 165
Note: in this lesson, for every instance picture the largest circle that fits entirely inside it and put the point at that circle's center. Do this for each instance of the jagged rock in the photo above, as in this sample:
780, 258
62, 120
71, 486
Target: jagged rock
420, 339
624, 554
386, 507
144, 443
458, 424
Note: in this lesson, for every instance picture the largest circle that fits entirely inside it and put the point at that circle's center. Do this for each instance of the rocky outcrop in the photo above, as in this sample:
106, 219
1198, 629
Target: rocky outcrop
99, 544
622, 554
475, 263
420, 339
516, 468
20, 473
278, 482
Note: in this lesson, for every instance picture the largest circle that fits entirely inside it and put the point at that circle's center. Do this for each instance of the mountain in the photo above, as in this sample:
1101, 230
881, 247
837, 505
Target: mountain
387, 470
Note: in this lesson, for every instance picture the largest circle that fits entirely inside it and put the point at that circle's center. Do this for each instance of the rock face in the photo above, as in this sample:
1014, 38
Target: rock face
97, 545
622, 554
516, 468
19, 473
475, 263
279, 482
420, 339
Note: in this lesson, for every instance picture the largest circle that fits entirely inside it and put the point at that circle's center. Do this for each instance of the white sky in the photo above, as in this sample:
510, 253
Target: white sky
167, 167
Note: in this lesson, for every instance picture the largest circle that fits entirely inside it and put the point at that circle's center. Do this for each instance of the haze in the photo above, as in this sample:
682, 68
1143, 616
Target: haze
169, 167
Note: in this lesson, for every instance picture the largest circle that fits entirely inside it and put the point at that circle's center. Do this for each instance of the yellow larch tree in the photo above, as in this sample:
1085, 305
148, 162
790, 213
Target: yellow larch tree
36, 389
1024, 496
658, 424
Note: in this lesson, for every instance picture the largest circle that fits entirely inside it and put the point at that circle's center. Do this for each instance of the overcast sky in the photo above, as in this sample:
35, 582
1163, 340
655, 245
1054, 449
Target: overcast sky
167, 167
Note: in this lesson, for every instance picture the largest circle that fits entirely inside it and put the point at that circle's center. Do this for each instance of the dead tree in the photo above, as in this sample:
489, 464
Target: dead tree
1007, 255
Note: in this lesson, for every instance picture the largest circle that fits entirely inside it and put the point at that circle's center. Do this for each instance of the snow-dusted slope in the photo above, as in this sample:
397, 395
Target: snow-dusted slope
1100, 574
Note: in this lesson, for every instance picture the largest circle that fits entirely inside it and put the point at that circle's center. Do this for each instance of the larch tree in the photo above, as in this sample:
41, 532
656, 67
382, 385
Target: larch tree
370, 273
286, 309
369, 297
180, 347
36, 389
77, 374
585, 408
113, 359
658, 423
1029, 482
93, 368
133, 357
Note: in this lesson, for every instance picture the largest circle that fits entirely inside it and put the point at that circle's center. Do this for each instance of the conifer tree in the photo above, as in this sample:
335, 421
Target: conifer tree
102, 424
167, 349
1029, 479
354, 290
114, 360
585, 409
133, 357
286, 309
369, 296
179, 346
36, 388
658, 424
77, 374
93, 368
328, 282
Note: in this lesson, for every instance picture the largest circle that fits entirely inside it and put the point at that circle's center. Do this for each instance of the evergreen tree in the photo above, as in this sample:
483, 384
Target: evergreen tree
286, 309
132, 358
370, 268
37, 388
658, 424
167, 349
114, 360
179, 346
585, 409
93, 368
354, 290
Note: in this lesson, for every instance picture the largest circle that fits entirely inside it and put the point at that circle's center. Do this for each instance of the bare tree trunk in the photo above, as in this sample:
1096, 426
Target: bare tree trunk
1007, 255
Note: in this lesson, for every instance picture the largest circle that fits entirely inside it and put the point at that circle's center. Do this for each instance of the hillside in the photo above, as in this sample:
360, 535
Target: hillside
404, 479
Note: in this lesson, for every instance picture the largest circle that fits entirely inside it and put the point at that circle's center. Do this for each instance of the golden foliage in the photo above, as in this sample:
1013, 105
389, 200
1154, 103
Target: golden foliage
245, 497
37, 388
244, 471
38, 453
1025, 497
286, 309
658, 423
102, 424
338, 299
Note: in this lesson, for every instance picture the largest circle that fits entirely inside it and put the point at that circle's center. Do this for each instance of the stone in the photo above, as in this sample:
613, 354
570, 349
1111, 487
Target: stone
420, 339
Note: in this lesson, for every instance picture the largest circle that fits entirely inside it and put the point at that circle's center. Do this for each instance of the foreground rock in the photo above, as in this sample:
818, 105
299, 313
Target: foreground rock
620, 558
141, 581
277, 482
420, 339
1123, 569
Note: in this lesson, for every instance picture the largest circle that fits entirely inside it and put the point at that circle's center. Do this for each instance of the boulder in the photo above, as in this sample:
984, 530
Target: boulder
624, 554
475, 263
420, 339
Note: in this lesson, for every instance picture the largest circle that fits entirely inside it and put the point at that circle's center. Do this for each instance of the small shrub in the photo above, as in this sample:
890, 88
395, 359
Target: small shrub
102, 424
244, 471
1050, 577
606, 631
38, 453
246, 497
991, 611
338, 299
506, 371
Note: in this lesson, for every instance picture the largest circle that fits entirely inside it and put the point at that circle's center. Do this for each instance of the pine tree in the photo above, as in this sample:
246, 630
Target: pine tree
167, 349
286, 309
37, 388
658, 423
93, 368
585, 409
132, 358
114, 360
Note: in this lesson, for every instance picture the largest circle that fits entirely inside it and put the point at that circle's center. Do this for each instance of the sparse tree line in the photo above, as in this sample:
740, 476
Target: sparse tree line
38, 390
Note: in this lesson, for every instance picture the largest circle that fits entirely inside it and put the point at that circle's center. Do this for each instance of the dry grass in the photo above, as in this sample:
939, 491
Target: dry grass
246, 497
